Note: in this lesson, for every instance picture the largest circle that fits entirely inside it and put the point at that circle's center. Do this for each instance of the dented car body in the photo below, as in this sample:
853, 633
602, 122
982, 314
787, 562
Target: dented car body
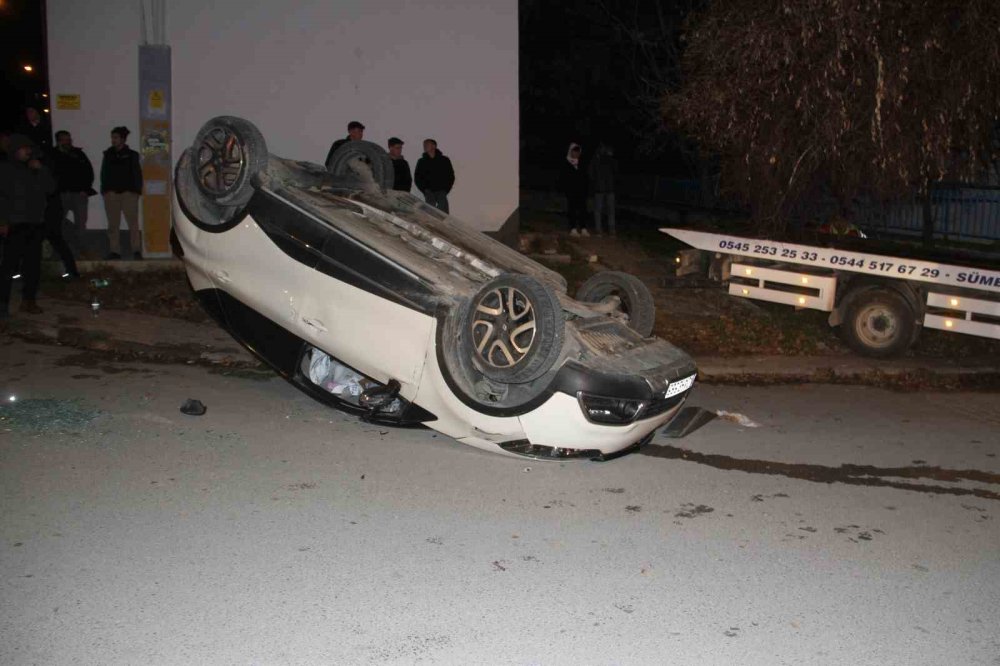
373, 302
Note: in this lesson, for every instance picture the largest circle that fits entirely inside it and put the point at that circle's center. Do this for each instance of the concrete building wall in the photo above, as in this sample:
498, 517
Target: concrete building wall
301, 69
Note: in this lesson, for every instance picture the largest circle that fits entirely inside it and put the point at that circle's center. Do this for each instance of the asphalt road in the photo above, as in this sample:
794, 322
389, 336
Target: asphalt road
272, 530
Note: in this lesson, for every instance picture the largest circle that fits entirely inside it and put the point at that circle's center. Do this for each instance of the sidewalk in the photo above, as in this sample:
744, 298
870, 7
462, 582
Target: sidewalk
129, 335
149, 338
838, 368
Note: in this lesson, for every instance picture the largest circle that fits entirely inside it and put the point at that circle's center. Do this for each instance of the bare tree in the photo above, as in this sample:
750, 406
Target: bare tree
881, 97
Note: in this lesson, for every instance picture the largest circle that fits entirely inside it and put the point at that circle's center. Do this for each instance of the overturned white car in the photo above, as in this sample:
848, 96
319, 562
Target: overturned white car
374, 302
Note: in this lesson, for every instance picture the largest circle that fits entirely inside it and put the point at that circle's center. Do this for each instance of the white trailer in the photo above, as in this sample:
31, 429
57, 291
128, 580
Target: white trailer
880, 303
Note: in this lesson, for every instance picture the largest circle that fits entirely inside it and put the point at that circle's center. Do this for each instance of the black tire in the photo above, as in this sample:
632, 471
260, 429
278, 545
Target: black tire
373, 154
878, 322
227, 153
636, 301
513, 329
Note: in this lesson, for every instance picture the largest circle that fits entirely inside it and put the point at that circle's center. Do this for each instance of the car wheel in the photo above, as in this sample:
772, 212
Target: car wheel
878, 322
227, 153
372, 154
634, 297
514, 329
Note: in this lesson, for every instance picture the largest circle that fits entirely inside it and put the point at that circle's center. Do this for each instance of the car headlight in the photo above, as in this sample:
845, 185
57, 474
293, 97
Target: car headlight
609, 411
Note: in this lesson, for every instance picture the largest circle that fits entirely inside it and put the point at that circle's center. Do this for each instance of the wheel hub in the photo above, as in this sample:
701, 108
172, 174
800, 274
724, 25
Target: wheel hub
877, 326
503, 327
220, 161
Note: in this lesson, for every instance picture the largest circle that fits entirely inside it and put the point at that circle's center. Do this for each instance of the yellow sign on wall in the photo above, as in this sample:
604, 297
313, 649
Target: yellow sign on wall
156, 100
68, 102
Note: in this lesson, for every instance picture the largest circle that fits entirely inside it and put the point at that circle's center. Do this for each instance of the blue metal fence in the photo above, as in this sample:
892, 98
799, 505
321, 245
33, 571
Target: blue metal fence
959, 212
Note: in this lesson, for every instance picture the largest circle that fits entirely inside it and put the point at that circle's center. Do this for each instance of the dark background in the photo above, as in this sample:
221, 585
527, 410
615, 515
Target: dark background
22, 42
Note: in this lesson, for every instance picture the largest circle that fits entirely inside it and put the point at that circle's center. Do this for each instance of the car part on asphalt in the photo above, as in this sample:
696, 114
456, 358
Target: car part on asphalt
634, 301
687, 421
193, 407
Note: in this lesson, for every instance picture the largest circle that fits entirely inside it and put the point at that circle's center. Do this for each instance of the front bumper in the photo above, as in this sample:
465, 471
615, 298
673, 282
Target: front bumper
558, 430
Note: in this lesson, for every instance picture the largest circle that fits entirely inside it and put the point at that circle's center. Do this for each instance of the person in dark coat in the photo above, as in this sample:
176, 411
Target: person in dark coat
603, 171
35, 126
55, 214
75, 179
402, 180
355, 132
574, 185
25, 186
434, 176
121, 185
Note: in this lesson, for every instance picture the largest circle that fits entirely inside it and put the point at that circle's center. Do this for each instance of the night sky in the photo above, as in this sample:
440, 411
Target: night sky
21, 43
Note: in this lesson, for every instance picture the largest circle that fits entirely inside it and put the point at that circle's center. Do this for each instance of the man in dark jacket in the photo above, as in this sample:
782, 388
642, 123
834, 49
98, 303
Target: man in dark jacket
434, 176
573, 181
603, 171
74, 178
36, 128
25, 185
121, 185
402, 180
355, 132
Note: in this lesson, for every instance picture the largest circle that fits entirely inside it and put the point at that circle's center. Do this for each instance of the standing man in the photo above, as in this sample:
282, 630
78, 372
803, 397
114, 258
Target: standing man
25, 185
434, 176
574, 184
35, 127
355, 132
402, 180
75, 179
121, 185
603, 171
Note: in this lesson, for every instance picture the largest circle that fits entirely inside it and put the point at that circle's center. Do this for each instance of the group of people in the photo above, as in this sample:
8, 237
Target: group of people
434, 175
40, 184
599, 178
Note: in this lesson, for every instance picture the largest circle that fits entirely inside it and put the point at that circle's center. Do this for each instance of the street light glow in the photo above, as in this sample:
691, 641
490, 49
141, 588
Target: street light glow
29, 68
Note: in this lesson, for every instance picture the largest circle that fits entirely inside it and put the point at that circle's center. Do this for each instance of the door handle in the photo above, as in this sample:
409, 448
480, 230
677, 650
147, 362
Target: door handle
314, 323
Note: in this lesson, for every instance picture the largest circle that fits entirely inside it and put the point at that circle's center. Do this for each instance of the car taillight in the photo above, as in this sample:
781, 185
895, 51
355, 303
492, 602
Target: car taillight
609, 411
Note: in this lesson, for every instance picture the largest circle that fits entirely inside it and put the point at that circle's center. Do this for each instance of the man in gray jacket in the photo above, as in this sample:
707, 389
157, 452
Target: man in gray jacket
25, 185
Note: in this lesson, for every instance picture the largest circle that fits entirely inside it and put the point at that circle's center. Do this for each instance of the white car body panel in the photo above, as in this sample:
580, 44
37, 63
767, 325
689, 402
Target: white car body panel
559, 422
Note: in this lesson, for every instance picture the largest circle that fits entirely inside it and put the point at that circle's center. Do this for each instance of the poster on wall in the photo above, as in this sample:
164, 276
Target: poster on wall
154, 147
66, 102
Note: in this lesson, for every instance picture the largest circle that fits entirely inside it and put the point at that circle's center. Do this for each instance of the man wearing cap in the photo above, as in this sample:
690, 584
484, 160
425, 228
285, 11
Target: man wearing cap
25, 186
402, 180
355, 132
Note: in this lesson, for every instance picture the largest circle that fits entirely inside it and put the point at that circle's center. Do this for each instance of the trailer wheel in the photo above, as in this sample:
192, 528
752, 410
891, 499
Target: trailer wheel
878, 322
